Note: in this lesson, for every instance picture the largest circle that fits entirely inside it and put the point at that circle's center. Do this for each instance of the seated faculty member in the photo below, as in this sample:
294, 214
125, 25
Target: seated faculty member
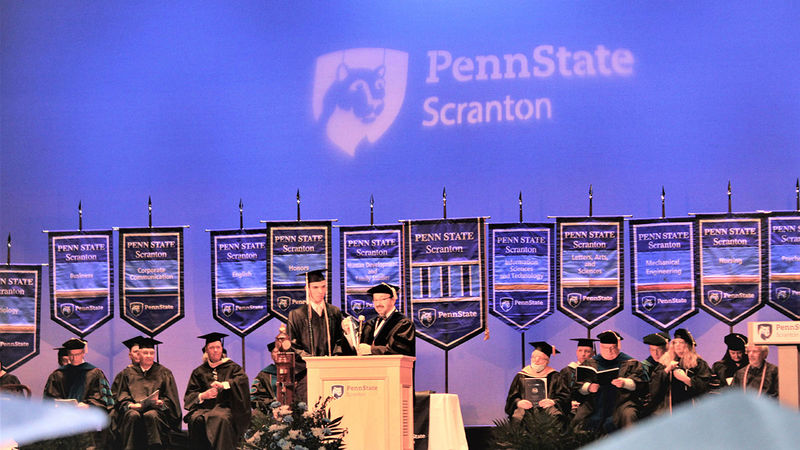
583, 351
734, 359
681, 376
758, 376
263, 391
538, 381
217, 399
389, 333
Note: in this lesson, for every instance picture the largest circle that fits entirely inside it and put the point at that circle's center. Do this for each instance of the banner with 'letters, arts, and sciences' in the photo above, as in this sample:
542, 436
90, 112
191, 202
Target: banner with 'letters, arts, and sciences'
81, 279
151, 277
20, 305
239, 279
784, 263
444, 273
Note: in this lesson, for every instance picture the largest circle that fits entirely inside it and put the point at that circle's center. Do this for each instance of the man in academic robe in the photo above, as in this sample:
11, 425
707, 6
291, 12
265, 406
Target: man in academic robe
389, 333
584, 351
63, 356
263, 391
681, 376
734, 359
657, 345
132, 345
615, 405
315, 329
526, 385
217, 399
758, 376
147, 402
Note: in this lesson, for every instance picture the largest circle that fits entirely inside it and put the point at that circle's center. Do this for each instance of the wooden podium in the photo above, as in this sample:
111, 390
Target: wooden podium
374, 395
786, 335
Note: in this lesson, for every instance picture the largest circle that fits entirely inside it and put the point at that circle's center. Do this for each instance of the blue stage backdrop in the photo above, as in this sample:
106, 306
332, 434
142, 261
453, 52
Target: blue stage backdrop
200, 104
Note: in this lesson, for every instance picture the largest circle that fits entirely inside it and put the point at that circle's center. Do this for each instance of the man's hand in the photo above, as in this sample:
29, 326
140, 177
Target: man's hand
524, 404
218, 386
618, 382
135, 406
209, 394
347, 326
594, 387
364, 349
546, 403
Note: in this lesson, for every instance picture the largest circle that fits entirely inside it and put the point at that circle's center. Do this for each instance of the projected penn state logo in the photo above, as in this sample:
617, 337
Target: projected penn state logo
337, 391
227, 309
649, 302
427, 317
783, 293
506, 304
284, 302
137, 308
358, 94
765, 330
715, 297
357, 306
67, 309
574, 299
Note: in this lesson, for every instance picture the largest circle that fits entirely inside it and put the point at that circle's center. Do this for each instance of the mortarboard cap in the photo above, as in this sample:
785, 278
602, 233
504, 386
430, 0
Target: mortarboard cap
271, 347
683, 333
384, 288
148, 342
736, 341
544, 347
131, 342
313, 276
661, 338
609, 337
62, 351
212, 337
74, 344
584, 342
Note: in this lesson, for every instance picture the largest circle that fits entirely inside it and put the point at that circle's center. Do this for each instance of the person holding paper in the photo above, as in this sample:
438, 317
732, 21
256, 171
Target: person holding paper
657, 344
217, 399
734, 359
390, 333
538, 385
147, 402
584, 351
614, 399
681, 376
758, 376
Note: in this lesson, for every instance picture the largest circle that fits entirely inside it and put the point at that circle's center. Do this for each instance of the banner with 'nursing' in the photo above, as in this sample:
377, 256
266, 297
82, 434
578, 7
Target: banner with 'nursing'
589, 268
20, 300
445, 267
783, 255
730, 260
294, 249
239, 279
662, 268
81, 279
151, 277
521, 275
370, 255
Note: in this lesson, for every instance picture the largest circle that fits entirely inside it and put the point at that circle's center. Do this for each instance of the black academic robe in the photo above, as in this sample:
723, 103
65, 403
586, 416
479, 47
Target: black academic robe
666, 391
724, 369
154, 423
395, 337
610, 407
557, 390
310, 338
754, 377
84, 383
263, 391
569, 374
219, 422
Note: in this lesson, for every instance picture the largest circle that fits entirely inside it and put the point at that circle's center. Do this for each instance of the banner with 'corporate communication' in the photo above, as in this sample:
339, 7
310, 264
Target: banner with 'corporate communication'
151, 277
370, 255
445, 267
783, 256
20, 304
81, 279
521, 272
239, 279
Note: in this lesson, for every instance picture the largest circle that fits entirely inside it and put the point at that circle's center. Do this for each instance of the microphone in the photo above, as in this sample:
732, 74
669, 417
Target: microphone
360, 322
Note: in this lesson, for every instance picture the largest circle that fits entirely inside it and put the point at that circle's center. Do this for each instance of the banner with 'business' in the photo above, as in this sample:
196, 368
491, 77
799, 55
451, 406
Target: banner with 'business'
20, 303
783, 255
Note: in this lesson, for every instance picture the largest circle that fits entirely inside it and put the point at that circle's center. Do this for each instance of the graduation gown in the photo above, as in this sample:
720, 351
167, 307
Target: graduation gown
217, 422
263, 391
557, 390
395, 337
569, 375
754, 377
724, 369
157, 422
84, 383
666, 391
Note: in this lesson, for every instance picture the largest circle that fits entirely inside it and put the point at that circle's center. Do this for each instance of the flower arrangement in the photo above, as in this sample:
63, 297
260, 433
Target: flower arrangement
295, 427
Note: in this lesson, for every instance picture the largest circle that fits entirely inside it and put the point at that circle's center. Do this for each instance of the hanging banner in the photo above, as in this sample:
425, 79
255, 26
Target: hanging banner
783, 255
151, 277
295, 248
662, 268
521, 272
730, 265
81, 279
445, 268
370, 255
589, 268
20, 300
239, 279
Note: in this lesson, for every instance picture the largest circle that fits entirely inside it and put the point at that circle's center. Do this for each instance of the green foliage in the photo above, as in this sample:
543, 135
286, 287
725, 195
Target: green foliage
537, 430
295, 427
76, 442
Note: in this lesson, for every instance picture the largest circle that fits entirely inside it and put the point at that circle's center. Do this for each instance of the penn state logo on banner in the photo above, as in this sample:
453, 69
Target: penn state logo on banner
427, 317
783, 258
137, 308
20, 306
358, 93
67, 309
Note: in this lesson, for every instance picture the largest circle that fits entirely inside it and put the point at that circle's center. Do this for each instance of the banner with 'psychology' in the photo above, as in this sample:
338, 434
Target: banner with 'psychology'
783, 256
20, 303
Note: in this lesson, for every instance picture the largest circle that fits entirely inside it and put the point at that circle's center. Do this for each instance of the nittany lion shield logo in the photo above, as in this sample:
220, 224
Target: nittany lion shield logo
358, 94
765, 330
137, 308
506, 304
227, 309
67, 309
783, 293
283, 302
714, 297
574, 299
649, 302
337, 391
357, 306
427, 316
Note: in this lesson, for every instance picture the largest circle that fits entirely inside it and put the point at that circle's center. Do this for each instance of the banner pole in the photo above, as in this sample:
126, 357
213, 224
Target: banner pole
446, 371
730, 209
520, 206
371, 210
244, 360
663, 206
591, 198
298, 205
241, 215
80, 216
149, 212
444, 202
522, 348
8, 250
797, 194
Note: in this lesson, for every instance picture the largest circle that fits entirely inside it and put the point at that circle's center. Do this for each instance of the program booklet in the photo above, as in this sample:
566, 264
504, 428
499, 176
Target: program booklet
535, 389
592, 375
150, 401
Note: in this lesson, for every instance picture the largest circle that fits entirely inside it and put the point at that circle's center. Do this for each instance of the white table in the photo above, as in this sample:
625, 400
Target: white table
445, 425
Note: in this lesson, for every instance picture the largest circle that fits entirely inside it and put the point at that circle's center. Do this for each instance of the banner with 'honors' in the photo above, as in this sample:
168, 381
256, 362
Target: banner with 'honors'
731, 276
662, 267
239, 279
370, 255
784, 263
81, 279
20, 300
444, 279
151, 277
521, 275
294, 249
590, 268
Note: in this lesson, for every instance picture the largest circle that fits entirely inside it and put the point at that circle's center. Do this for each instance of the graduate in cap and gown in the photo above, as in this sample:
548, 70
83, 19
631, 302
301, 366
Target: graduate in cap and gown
63, 356
758, 376
734, 359
657, 345
147, 402
615, 405
681, 376
263, 391
217, 399
389, 333
556, 401
584, 350
132, 345
315, 329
